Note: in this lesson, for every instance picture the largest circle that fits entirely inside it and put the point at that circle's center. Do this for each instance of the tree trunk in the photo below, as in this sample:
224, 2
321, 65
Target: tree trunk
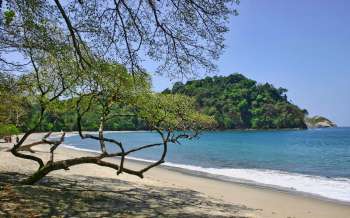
38, 175
65, 164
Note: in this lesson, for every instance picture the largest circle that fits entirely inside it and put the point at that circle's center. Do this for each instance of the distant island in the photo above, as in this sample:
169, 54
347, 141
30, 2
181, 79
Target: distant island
237, 102
319, 122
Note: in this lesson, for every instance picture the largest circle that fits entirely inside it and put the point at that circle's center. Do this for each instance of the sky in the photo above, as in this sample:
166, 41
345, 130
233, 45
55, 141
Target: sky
303, 46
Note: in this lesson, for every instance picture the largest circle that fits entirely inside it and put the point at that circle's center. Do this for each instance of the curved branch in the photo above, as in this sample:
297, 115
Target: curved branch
28, 157
65, 164
162, 158
28, 147
72, 34
55, 146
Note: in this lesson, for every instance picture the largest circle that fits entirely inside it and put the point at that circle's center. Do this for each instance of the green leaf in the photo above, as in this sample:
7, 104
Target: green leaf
9, 16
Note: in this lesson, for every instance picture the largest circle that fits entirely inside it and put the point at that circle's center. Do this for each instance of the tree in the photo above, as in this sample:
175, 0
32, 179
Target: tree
77, 50
7, 130
183, 37
109, 85
13, 107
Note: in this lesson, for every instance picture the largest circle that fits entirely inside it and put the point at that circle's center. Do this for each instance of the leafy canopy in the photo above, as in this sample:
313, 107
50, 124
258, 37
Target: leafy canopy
238, 102
177, 112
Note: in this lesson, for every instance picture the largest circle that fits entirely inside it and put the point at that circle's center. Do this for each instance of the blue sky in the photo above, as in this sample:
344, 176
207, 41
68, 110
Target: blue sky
303, 46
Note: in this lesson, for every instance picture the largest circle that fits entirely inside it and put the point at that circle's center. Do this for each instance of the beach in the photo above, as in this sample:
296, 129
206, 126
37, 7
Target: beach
163, 192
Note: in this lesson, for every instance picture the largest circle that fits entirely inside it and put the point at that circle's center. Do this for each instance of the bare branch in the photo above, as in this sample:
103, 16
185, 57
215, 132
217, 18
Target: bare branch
28, 147
55, 146
70, 27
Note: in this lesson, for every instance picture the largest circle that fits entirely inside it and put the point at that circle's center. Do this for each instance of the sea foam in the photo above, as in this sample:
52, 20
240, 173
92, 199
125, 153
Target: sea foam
331, 188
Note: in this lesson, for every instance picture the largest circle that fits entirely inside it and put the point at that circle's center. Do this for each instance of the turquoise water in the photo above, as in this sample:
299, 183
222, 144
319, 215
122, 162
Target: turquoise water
315, 161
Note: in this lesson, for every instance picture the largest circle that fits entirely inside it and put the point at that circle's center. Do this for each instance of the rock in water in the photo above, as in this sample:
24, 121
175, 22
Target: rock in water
319, 122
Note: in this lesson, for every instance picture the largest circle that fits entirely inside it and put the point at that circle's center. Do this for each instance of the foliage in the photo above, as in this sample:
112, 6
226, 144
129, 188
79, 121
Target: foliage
106, 91
167, 111
9, 16
238, 102
81, 68
234, 101
14, 104
129, 107
182, 37
8, 130
318, 122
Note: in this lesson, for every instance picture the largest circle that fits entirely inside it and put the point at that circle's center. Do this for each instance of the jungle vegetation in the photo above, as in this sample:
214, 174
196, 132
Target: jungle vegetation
237, 102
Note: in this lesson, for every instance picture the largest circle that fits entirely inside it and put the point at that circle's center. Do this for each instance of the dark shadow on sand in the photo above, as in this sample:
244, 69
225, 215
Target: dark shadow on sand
98, 197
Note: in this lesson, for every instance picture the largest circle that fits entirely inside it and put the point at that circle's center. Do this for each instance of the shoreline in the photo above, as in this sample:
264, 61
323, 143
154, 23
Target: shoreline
253, 184
227, 179
316, 186
70, 133
267, 201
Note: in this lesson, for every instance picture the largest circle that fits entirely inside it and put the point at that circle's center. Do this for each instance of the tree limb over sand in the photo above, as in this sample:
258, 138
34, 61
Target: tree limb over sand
28, 147
173, 117
88, 53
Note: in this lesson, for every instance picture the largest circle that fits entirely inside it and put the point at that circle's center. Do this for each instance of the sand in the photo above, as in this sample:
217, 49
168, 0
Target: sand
164, 192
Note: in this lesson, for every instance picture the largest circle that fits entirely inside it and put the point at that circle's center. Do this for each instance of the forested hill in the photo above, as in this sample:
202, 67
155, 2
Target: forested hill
237, 102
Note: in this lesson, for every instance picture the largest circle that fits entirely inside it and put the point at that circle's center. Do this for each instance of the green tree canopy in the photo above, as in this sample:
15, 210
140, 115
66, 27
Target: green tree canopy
84, 59
238, 102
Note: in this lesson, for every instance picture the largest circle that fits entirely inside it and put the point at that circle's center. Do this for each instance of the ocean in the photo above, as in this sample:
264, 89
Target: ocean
315, 161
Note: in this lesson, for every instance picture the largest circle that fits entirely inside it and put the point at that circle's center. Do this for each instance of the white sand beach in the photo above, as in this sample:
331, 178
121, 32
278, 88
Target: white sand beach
196, 195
